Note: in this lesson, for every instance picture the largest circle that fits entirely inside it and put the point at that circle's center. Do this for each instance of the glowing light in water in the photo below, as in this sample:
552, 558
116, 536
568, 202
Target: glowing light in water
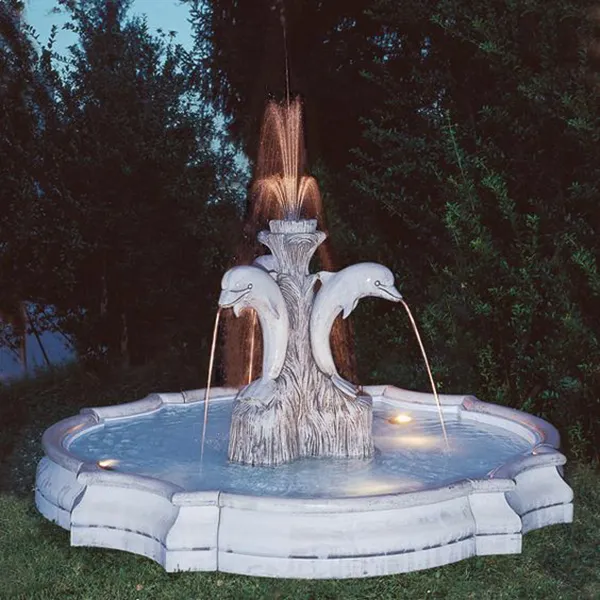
400, 419
418, 441
433, 387
108, 463
289, 192
209, 379
374, 487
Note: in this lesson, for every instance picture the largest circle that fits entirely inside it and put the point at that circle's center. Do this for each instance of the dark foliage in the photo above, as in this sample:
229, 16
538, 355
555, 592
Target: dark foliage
121, 190
484, 161
243, 44
472, 129
473, 132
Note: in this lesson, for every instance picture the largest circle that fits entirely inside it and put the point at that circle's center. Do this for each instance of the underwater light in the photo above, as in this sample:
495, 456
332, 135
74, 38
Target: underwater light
108, 463
400, 419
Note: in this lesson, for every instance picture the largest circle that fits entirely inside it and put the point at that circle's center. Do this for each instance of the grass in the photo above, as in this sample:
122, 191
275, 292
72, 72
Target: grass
37, 562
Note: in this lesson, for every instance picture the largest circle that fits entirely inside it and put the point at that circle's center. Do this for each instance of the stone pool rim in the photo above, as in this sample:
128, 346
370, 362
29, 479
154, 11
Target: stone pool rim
273, 536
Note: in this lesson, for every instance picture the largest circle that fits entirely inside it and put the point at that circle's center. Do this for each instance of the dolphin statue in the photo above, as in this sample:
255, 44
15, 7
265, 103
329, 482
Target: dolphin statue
252, 287
269, 263
340, 292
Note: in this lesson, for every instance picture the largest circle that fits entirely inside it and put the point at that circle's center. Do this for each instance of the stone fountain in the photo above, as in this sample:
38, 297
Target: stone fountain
302, 473
300, 407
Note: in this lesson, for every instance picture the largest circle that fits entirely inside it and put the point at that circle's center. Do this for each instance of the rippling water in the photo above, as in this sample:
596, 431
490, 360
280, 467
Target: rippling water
409, 457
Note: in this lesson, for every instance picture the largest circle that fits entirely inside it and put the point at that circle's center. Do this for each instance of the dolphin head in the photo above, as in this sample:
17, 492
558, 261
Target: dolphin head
363, 280
248, 287
380, 282
237, 289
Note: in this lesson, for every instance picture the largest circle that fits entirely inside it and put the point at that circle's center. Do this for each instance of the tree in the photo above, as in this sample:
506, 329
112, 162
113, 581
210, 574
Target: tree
27, 112
255, 52
244, 46
120, 189
142, 163
484, 158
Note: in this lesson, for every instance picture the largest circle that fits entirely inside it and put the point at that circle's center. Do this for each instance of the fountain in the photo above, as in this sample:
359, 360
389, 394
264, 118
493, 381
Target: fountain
301, 472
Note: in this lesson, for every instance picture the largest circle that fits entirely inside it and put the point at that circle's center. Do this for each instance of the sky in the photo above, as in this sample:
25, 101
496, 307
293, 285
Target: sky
170, 15
54, 345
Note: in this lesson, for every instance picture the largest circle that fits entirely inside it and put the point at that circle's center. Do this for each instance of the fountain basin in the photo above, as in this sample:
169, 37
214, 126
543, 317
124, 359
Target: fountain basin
412, 506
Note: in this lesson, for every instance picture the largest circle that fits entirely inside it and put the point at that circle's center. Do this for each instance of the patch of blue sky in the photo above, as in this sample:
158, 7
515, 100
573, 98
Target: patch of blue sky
168, 15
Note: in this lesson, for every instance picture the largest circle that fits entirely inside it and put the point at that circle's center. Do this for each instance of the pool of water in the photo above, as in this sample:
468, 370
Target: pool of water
409, 456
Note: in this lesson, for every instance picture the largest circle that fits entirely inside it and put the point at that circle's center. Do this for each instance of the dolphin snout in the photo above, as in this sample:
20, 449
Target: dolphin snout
392, 293
229, 297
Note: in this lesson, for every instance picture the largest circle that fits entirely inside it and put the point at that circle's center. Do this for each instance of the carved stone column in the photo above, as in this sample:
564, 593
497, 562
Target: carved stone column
306, 415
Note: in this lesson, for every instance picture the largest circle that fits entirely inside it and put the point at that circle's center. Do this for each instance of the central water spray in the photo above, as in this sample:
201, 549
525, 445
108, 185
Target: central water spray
280, 180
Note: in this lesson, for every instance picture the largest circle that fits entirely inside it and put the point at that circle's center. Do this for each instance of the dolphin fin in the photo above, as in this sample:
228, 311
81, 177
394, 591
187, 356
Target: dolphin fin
344, 386
260, 391
348, 309
325, 276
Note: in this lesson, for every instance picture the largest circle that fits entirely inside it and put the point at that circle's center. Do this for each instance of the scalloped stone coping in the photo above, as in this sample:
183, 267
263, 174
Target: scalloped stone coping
309, 538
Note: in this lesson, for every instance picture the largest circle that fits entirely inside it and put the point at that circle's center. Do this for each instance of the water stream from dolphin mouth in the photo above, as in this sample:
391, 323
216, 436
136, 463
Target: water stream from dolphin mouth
252, 340
433, 386
208, 381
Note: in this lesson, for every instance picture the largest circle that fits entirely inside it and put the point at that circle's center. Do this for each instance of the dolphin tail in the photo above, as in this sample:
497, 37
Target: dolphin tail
260, 392
344, 386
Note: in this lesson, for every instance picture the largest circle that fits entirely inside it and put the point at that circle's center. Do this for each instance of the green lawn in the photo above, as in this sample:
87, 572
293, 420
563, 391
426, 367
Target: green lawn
36, 561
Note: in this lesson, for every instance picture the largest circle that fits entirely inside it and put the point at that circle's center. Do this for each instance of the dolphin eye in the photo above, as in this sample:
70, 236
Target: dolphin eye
249, 286
378, 283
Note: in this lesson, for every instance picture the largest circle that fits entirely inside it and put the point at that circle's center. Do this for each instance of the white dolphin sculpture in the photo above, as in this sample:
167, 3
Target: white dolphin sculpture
269, 263
252, 287
340, 292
